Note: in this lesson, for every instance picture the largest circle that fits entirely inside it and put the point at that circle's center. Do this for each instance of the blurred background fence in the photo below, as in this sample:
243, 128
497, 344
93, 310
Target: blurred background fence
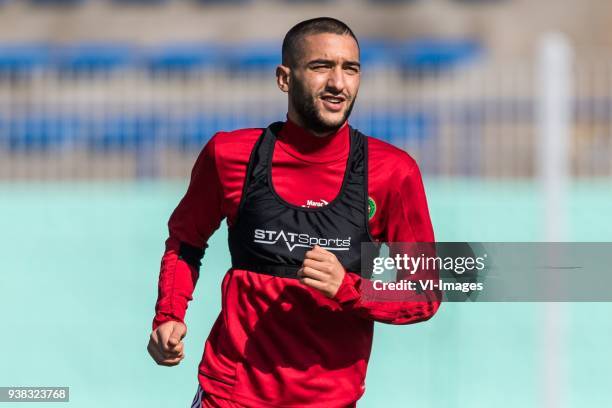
101, 111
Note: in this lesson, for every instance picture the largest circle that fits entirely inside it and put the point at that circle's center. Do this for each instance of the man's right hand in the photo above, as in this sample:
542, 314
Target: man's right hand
166, 345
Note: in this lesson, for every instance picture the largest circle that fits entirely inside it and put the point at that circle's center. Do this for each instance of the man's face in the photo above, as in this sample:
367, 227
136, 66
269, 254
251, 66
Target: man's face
324, 82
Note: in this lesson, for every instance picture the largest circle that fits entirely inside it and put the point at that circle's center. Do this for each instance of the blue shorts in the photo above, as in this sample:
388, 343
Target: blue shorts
197, 400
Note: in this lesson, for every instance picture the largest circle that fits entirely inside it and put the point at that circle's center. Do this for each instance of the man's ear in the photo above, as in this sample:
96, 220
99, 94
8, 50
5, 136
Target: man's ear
283, 77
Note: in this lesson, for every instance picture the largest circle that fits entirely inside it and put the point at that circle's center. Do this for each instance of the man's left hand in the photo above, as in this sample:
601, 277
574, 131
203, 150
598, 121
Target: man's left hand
321, 270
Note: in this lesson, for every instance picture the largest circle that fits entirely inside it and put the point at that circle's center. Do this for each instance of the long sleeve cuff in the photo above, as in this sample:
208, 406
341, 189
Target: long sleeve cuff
348, 293
161, 318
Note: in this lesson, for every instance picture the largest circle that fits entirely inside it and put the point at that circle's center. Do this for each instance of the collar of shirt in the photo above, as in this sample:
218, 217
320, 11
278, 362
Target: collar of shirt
303, 145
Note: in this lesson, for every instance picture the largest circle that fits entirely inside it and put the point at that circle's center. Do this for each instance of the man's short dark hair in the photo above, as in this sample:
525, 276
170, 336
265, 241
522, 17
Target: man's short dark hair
292, 44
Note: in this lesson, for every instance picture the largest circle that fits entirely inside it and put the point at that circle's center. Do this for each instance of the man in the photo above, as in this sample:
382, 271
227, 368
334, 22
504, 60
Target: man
299, 197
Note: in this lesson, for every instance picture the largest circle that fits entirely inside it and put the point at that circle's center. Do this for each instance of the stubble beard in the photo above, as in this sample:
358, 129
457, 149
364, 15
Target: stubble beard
304, 105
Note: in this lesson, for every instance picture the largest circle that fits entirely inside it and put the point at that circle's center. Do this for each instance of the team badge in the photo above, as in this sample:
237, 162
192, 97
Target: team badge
371, 208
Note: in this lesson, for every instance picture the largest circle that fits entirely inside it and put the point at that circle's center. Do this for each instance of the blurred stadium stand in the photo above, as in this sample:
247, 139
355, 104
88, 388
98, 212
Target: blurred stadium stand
411, 55
57, 3
154, 104
149, 102
181, 57
93, 57
60, 66
252, 56
423, 54
23, 58
209, 2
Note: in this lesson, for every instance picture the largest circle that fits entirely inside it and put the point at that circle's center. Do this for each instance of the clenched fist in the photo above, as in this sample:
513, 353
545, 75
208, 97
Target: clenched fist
166, 345
321, 270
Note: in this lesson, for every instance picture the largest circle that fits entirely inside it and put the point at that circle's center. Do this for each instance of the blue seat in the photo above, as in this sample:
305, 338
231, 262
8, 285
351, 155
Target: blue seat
308, 1
93, 57
140, 1
253, 56
376, 53
191, 132
394, 126
23, 58
392, 1
207, 2
181, 57
56, 2
436, 54
41, 132
122, 132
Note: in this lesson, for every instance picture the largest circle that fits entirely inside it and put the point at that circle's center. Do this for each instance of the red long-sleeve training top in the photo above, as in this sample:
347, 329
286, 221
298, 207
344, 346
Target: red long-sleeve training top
266, 350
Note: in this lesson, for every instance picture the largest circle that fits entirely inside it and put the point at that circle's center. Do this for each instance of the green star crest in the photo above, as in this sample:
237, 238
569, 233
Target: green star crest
371, 208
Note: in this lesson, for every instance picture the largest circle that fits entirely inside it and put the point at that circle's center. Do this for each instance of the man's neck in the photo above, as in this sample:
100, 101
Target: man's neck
298, 121
303, 144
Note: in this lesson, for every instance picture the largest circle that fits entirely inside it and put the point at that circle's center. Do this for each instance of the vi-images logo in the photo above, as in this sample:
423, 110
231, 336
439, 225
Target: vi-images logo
294, 239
